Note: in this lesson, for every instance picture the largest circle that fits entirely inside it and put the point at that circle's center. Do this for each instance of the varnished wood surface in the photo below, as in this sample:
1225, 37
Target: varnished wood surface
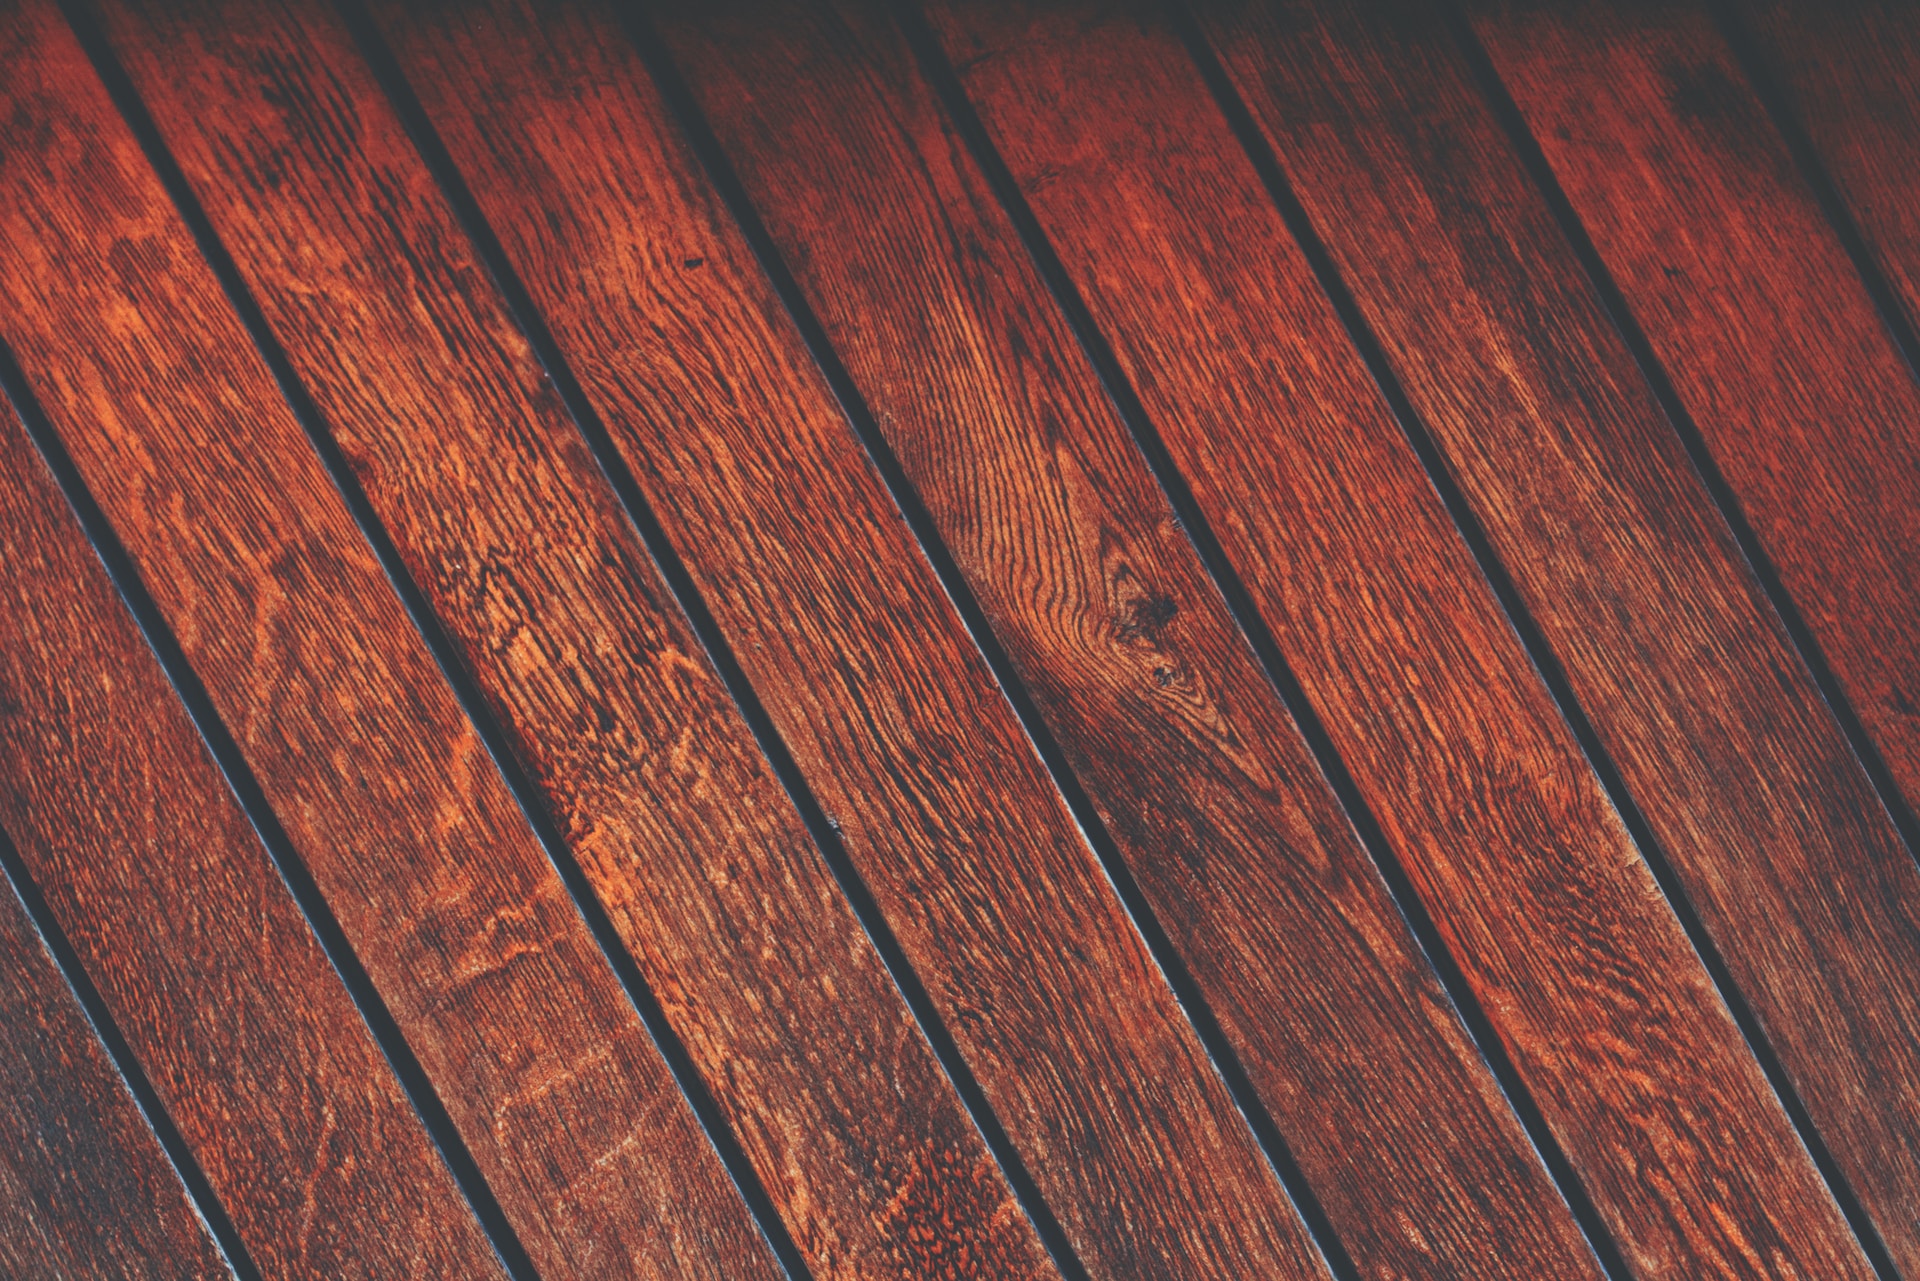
1032, 638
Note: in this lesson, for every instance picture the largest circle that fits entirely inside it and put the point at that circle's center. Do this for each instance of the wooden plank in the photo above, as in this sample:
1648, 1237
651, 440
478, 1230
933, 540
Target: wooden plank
639, 753
1682, 681
1758, 319
1845, 70
174, 911
85, 1189
354, 739
1128, 650
1374, 600
731, 435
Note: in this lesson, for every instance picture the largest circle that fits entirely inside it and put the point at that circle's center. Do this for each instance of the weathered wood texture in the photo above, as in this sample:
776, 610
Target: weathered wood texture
380, 782
199, 953
1322, 505
833, 614
1126, 646
467, 454
1757, 317
85, 1190
1667, 642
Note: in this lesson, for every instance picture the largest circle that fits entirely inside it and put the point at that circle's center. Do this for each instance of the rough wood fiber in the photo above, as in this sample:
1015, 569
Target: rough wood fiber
837, 619
1349, 554
1757, 316
381, 784
467, 454
85, 1190
1613, 544
1127, 648
199, 953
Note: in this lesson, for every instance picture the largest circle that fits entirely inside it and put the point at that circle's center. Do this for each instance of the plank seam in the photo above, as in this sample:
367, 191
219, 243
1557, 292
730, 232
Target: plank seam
1258, 635
213, 730
1812, 171
205, 1201
446, 659
707, 632
1534, 161
940, 559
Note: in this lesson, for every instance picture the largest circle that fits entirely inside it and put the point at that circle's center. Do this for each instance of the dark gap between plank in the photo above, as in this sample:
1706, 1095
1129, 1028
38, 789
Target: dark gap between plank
1535, 162
293, 871
940, 559
686, 594
446, 658
1814, 172
1267, 165
206, 1202
1179, 495
246, 789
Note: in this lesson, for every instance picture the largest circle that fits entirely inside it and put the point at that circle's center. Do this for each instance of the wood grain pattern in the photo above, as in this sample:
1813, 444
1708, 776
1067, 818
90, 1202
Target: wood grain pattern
1847, 70
1127, 648
835, 617
467, 454
357, 742
1588, 500
1323, 507
175, 911
1809, 411
1758, 318
85, 1189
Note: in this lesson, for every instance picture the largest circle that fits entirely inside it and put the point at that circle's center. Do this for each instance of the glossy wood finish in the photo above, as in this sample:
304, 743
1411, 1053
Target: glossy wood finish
468, 457
863, 667
1753, 309
85, 1189
381, 784
1586, 497
173, 908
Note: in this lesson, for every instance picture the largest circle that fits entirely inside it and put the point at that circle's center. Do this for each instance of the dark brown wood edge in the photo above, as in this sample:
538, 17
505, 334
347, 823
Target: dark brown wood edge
713, 640
1813, 171
205, 1201
220, 741
1547, 664
1173, 968
1227, 580
447, 661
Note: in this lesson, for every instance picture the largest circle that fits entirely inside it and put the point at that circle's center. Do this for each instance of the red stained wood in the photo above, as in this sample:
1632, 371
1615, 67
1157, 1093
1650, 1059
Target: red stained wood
1349, 554
834, 615
1128, 649
199, 953
1846, 68
381, 784
1758, 318
1634, 581
85, 1189
467, 454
